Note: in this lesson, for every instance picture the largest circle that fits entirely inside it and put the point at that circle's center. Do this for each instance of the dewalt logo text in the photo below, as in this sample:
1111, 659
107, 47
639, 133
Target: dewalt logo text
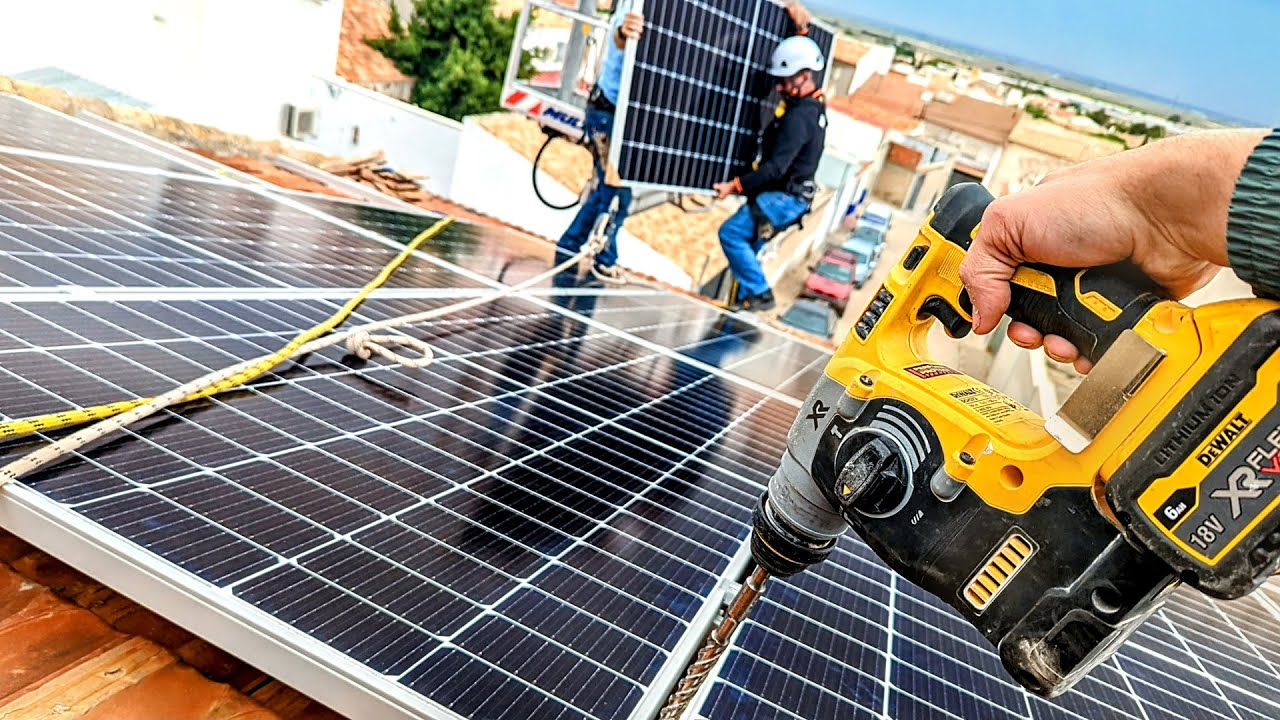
1223, 441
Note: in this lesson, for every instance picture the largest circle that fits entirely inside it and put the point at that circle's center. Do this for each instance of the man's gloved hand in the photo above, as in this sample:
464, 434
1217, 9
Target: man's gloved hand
724, 189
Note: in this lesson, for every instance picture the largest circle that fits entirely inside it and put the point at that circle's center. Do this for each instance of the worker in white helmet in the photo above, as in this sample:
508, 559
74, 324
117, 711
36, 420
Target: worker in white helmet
781, 188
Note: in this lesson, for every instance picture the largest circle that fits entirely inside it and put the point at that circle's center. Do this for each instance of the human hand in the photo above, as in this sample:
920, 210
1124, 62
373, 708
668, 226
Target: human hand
799, 15
724, 189
1162, 207
632, 26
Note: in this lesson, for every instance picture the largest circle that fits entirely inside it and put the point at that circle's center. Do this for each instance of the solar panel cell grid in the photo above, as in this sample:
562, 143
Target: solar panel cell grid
27, 126
699, 95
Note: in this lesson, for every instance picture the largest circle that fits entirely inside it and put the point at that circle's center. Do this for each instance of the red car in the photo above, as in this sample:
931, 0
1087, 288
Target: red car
831, 280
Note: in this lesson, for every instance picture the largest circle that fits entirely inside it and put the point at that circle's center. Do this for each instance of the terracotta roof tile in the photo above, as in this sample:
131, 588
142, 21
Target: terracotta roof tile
872, 114
892, 92
87, 662
357, 62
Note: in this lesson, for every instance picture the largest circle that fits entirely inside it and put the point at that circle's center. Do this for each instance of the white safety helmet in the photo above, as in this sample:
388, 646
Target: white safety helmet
795, 54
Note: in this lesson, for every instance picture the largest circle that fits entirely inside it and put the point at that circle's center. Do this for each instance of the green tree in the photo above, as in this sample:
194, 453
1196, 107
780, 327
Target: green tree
457, 50
1100, 116
1037, 112
395, 25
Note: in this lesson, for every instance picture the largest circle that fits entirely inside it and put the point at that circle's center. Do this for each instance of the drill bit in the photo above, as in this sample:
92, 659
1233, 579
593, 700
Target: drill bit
715, 645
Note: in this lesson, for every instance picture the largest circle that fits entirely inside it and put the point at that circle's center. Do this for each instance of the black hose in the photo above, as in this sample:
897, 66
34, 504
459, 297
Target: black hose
537, 191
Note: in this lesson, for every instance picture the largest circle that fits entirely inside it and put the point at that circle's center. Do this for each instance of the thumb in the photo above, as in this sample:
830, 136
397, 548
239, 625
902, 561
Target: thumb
986, 275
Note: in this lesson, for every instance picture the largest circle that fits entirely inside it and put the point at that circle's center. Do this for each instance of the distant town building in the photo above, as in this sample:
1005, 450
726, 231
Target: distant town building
1038, 147
977, 130
853, 63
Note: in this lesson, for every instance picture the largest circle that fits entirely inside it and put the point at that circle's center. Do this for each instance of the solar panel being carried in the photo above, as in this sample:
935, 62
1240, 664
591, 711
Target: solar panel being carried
541, 524
697, 95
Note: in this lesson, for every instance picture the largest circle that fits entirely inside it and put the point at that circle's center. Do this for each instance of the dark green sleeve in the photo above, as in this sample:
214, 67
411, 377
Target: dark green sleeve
1253, 222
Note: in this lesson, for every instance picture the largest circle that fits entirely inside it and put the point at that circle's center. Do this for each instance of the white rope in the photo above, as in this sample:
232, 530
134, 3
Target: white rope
360, 340
365, 346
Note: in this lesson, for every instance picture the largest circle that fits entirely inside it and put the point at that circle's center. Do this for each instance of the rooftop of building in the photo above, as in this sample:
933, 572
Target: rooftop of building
973, 117
71, 647
359, 63
1053, 139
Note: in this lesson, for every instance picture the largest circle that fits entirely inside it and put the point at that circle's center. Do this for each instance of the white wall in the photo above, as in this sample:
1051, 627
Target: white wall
857, 144
494, 179
227, 63
854, 138
877, 61
415, 141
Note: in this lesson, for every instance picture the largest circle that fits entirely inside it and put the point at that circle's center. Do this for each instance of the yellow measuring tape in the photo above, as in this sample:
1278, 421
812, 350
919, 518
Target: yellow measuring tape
71, 418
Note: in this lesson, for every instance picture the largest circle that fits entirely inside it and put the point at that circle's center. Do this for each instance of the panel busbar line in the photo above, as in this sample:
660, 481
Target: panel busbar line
697, 95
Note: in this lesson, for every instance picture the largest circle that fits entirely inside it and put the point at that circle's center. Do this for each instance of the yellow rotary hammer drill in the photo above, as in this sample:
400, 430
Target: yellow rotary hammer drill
1055, 538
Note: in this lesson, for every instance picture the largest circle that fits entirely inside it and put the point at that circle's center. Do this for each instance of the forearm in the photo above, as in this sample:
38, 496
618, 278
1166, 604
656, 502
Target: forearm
1253, 223
1184, 187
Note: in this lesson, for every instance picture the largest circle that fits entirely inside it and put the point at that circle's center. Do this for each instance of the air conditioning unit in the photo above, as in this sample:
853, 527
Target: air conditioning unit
299, 122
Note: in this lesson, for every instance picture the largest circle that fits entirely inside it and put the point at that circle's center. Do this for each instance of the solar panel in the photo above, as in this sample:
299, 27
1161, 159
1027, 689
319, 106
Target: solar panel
527, 528
532, 527
698, 95
26, 126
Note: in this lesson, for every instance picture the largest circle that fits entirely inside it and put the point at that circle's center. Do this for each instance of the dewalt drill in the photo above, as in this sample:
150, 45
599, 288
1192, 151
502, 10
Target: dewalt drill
1056, 538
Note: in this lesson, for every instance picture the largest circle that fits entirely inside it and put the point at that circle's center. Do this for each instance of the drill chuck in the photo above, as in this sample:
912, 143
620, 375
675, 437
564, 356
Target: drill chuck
780, 547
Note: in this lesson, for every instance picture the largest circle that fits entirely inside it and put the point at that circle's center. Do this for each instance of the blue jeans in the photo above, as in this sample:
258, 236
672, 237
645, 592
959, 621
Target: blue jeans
598, 125
740, 244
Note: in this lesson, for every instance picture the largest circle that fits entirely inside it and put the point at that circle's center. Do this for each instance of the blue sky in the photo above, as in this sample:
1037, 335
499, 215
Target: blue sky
1216, 55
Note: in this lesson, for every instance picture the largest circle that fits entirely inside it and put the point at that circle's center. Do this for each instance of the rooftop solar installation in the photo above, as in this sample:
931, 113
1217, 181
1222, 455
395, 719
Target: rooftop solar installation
699, 96
541, 524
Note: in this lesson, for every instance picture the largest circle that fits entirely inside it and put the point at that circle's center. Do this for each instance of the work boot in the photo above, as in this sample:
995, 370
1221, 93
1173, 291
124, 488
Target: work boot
755, 303
610, 274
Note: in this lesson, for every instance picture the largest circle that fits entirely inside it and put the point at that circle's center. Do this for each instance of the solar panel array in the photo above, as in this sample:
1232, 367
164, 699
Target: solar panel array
527, 528
699, 95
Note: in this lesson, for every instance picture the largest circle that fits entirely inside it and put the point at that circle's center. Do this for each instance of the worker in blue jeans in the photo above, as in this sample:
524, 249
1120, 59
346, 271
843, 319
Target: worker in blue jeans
598, 125
781, 188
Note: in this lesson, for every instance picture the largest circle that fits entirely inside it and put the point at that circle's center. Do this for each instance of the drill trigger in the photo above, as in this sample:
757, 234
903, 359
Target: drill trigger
957, 326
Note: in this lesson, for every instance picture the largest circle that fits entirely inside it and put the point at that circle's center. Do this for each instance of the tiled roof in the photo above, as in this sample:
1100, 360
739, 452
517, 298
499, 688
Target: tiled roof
889, 102
357, 62
873, 114
73, 648
983, 120
892, 92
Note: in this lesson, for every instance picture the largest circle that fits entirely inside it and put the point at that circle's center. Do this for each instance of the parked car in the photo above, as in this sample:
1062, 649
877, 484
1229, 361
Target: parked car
878, 215
865, 245
831, 280
811, 316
